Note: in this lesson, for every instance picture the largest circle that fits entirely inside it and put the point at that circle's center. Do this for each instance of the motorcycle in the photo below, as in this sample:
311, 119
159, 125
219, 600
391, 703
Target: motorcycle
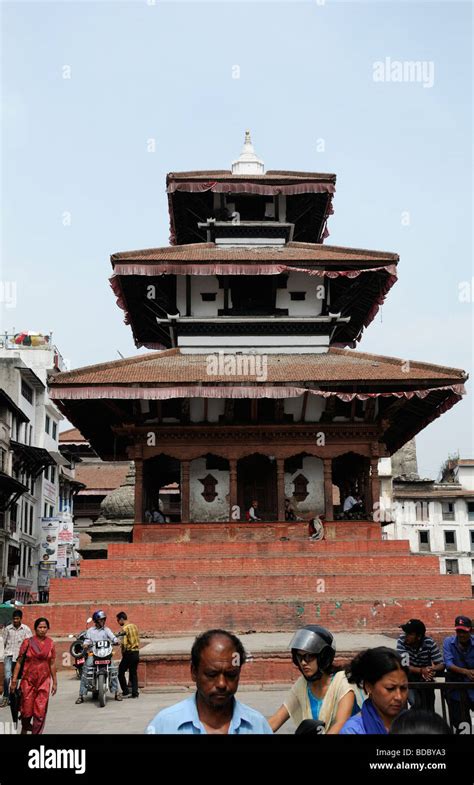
101, 670
76, 650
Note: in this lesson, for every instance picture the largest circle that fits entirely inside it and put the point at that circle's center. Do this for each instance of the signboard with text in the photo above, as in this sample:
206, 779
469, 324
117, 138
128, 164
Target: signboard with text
48, 550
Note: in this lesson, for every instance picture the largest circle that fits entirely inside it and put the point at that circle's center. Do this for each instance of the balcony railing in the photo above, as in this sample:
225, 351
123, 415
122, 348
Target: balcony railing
34, 341
445, 689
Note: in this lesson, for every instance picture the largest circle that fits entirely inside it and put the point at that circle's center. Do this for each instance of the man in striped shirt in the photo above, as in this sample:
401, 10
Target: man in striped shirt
424, 661
13, 636
130, 655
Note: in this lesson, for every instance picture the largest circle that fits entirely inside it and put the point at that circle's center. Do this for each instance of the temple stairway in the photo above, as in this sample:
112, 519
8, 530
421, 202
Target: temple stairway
178, 580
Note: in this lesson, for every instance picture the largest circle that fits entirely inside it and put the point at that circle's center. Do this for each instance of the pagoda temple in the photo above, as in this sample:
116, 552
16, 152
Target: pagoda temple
252, 388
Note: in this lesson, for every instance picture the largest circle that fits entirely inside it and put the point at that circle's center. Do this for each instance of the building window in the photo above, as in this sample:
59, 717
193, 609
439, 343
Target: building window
45, 511
52, 473
470, 511
447, 511
208, 297
51, 511
26, 391
30, 531
422, 510
55, 430
13, 559
209, 492
472, 538
47, 424
450, 541
297, 295
3, 460
46, 473
424, 541
452, 567
301, 488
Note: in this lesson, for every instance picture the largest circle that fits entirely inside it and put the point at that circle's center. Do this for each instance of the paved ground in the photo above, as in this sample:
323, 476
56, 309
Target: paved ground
270, 642
130, 715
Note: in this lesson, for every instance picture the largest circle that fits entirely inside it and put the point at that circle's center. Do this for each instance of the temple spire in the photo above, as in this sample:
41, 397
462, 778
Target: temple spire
248, 163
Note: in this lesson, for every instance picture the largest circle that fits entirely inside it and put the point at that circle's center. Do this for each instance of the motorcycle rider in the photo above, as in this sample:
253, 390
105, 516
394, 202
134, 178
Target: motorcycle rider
98, 633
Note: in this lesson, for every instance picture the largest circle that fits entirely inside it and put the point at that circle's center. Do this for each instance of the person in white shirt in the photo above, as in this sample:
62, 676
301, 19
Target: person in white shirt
352, 504
349, 502
13, 636
253, 510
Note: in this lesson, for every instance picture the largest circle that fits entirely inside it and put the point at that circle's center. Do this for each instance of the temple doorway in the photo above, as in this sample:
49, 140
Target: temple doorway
257, 479
162, 487
351, 474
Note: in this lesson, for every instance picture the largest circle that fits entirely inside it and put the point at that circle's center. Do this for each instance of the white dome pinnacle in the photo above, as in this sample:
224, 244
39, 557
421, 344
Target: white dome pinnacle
248, 163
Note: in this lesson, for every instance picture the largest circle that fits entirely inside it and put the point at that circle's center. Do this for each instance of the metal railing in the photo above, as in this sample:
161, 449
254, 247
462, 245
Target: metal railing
458, 717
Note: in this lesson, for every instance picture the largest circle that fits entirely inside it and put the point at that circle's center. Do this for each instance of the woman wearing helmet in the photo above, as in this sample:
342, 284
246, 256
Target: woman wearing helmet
319, 694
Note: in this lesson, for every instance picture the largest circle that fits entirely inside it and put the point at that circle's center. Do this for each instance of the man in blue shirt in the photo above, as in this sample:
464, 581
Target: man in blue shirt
458, 655
216, 660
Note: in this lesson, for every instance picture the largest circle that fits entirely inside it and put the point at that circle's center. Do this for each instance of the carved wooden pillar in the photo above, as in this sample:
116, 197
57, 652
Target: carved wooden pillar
329, 513
281, 488
185, 491
233, 488
374, 483
139, 490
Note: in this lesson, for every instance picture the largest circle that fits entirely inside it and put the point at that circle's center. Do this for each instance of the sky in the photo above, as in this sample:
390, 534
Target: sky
101, 99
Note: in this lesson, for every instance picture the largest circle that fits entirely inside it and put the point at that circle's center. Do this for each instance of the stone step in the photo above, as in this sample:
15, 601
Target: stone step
261, 532
166, 661
194, 616
249, 587
305, 546
314, 563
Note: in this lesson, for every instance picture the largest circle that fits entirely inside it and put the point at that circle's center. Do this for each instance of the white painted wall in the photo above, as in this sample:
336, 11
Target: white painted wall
200, 509
302, 282
268, 344
466, 477
314, 408
205, 283
314, 472
199, 284
215, 407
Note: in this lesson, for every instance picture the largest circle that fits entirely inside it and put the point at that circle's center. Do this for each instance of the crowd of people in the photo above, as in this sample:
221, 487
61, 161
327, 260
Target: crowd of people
30, 666
373, 694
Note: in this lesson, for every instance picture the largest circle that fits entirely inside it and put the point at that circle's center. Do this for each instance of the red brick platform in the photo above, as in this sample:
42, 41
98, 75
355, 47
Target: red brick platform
177, 580
182, 579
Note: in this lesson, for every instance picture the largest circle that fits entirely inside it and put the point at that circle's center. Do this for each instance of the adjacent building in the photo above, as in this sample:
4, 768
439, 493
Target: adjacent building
30, 460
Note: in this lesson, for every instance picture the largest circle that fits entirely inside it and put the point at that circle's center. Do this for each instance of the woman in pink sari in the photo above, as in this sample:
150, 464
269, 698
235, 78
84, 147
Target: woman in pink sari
38, 671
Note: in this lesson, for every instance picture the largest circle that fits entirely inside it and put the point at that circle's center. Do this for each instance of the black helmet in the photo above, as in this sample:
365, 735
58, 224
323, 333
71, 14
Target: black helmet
314, 640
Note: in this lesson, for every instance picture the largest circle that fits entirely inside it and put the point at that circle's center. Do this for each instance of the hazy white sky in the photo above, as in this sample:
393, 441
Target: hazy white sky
79, 183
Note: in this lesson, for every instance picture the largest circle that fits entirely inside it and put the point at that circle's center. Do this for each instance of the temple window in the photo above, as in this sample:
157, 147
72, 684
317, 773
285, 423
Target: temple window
301, 488
209, 493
